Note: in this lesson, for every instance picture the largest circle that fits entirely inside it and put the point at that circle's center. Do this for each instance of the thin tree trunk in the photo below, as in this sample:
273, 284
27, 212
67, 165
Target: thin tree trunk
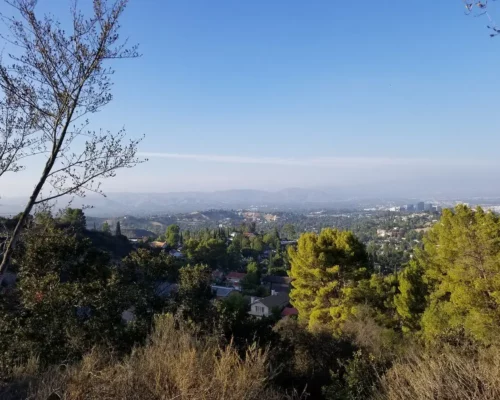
7, 255
38, 188
47, 83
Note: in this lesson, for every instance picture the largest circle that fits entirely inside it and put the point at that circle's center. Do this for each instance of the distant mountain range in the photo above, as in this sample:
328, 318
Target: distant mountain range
119, 204
115, 204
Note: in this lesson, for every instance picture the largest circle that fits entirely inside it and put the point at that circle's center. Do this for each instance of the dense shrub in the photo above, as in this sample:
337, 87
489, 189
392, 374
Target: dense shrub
175, 364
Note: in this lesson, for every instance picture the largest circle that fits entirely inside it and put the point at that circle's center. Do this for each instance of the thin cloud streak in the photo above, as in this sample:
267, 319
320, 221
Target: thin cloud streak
366, 162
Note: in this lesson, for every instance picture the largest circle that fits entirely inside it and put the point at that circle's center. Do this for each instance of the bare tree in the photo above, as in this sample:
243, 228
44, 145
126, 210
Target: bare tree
55, 80
17, 139
480, 8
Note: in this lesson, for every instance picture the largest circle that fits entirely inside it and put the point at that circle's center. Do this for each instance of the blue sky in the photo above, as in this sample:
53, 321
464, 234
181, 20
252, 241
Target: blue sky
273, 94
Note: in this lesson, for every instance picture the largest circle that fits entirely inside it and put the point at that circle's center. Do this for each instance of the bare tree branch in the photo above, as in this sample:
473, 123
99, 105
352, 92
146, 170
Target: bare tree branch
480, 8
57, 79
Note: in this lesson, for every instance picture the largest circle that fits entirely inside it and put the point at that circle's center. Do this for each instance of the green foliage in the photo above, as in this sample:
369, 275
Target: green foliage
378, 295
69, 298
257, 244
74, 217
253, 268
152, 266
359, 378
172, 235
326, 271
252, 279
195, 293
234, 255
411, 301
209, 251
307, 358
106, 228
289, 231
270, 239
279, 263
457, 273
232, 315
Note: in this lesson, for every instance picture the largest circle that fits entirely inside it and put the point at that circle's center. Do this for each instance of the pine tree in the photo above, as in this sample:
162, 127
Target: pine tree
118, 231
270, 265
195, 292
172, 235
458, 274
326, 270
106, 228
75, 217
411, 301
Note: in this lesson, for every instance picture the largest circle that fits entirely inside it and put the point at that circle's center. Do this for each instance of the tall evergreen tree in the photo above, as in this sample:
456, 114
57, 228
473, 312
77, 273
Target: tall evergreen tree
326, 270
172, 235
75, 217
195, 292
118, 231
458, 274
105, 227
411, 301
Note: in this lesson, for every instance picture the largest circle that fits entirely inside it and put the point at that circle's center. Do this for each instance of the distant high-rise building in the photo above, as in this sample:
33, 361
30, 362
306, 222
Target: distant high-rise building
421, 206
410, 207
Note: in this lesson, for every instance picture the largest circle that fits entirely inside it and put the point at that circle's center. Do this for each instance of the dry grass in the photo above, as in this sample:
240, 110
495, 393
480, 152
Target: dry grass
174, 365
447, 374
367, 334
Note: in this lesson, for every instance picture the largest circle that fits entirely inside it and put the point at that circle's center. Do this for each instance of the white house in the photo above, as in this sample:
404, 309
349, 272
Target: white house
381, 232
263, 307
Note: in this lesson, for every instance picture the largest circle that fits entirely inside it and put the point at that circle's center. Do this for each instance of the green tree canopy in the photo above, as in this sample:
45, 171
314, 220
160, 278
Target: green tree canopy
326, 270
105, 227
257, 244
411, 301
75, 217
289, 231
68, 298
211, 251
252, 279
458, 273
195, 293
172, 235
152, 266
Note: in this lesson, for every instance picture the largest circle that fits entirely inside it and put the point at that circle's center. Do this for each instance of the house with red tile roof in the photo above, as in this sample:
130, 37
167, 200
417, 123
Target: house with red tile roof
235, 278
289, 311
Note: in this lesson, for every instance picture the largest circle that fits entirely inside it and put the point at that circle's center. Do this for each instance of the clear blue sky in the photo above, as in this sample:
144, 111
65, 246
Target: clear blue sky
274, 93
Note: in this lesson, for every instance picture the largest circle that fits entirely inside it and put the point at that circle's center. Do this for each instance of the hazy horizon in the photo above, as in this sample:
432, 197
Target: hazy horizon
259, 95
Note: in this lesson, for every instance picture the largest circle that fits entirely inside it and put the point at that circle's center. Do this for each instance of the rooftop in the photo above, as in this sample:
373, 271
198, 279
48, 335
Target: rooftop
287, 311
157, 245
277, 300
284, 280
165, 289
236, 275
222, 291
